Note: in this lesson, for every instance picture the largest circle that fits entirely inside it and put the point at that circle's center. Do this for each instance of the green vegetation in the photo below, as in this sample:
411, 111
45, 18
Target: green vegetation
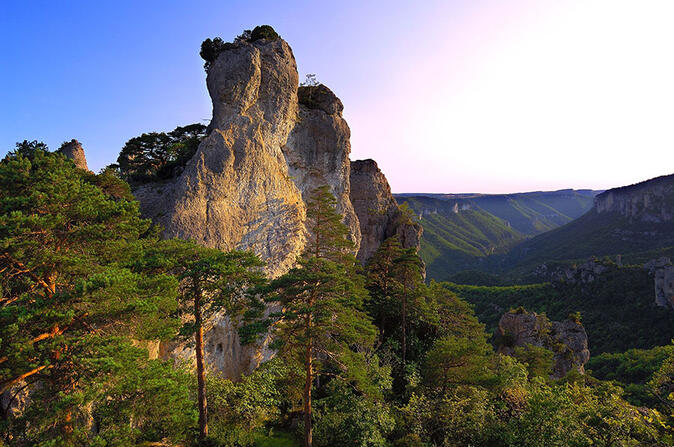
473, 232
158, 156
367, 356
632, 370
592, 234
618, 309
211, 48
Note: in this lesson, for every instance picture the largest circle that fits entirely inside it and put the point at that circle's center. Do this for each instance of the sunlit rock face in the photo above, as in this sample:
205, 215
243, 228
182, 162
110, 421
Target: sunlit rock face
248, 184
377, 211
317, 151
73, 150
236, 192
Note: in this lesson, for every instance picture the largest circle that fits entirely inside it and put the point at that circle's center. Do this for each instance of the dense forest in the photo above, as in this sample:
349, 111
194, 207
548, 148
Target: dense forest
364, 355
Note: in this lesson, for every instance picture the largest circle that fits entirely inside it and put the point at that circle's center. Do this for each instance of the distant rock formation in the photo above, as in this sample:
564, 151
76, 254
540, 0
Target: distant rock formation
377, 211
270, 145
583, 273
566, 339
73, 150
648, 201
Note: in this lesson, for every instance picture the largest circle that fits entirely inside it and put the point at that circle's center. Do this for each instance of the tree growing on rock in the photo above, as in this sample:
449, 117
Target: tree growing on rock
158, 155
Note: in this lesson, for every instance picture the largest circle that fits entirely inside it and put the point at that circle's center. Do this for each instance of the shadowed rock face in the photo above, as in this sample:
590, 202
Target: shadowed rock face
73, 150
377, 210
649, 201
566, 339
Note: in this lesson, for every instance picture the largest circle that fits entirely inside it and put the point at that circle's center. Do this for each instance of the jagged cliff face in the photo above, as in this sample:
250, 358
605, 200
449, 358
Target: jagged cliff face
566, 339
377, 210
248, 184
649, 201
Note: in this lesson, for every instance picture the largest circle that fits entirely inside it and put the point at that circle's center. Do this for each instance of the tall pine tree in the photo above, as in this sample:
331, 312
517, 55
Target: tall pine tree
318, 321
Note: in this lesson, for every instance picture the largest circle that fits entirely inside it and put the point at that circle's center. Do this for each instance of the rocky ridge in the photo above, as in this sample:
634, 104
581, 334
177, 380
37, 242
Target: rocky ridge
378, 213
649, 201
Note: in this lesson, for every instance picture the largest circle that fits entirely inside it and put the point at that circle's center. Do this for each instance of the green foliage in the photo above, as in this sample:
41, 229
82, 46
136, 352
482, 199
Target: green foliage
158, 156
239, 411
537, 359
263, 32
662, 387
457, 361
345, 417
211, 48
618, 310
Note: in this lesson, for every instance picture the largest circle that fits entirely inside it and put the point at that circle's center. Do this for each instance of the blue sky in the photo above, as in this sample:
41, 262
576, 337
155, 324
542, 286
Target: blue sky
460, 96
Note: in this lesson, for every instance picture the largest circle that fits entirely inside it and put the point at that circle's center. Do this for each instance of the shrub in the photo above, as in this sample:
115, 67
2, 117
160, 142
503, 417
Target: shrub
263, 32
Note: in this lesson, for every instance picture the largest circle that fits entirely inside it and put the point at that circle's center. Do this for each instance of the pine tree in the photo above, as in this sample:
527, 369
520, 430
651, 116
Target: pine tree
318, 319
210, 281
65, 252
395, 279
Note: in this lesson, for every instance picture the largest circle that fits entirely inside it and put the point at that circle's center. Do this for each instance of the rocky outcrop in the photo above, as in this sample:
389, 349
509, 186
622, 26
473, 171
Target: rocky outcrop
566, 339
584, 273
269, 147
236, 192
664, 286
73, 150
318, 148
650, 201
377, 211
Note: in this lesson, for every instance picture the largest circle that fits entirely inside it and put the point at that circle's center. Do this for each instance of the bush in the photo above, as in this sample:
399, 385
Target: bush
159, 155
263, 32
211, 48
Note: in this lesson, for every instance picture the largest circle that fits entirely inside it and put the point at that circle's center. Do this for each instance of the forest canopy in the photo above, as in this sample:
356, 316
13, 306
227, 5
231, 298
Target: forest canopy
364, 355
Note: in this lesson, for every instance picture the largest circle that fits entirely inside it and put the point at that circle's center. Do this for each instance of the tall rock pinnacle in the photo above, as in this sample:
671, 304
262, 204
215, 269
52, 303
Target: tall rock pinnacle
269, 147
73, 150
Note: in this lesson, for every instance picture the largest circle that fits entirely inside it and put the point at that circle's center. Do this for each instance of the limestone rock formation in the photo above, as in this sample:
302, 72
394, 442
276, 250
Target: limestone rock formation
584, 273
650, 201
73, 150
317, 151
269, 146
236, 192
664, 286
377, 211
566, 339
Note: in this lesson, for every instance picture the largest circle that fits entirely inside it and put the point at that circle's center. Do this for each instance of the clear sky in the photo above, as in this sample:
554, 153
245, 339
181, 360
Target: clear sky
447, 96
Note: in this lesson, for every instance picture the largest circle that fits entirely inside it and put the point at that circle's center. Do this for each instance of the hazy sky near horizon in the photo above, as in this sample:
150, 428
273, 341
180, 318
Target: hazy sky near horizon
447, 96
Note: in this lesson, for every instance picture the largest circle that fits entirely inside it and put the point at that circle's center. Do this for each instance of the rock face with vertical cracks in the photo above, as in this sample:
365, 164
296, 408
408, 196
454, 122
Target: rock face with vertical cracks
318, 150
377, 211
236, 192
247, 185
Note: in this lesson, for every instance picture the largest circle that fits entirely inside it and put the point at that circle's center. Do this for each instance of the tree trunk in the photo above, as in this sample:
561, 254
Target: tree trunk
404, 322
201, 374
308, 441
